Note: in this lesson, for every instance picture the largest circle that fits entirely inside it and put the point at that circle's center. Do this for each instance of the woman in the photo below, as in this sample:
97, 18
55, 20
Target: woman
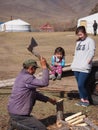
82, 63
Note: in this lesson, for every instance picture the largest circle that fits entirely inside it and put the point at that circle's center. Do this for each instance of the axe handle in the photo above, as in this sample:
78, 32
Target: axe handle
38, 56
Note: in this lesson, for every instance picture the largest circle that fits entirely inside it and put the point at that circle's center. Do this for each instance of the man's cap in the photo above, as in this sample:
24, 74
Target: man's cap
30, 62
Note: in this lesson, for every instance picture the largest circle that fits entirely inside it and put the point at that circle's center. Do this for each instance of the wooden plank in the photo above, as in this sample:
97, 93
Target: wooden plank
65, 69
8, 82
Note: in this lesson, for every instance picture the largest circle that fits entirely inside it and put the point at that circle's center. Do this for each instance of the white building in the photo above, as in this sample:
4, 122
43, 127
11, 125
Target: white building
88, 22
17, 25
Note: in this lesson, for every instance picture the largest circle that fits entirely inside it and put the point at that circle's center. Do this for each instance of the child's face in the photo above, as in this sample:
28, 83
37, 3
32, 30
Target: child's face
59, 55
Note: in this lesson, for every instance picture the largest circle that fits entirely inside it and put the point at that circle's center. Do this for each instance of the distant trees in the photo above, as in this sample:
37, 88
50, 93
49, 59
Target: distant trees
94, 10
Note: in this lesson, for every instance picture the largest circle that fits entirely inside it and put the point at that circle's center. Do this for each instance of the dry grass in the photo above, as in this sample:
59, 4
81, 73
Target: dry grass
13, 51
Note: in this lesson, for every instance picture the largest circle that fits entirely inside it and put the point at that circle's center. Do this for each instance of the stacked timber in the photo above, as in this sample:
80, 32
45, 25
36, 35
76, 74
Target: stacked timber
77, 121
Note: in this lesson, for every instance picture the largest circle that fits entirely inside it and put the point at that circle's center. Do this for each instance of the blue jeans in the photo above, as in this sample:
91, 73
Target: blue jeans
82, 78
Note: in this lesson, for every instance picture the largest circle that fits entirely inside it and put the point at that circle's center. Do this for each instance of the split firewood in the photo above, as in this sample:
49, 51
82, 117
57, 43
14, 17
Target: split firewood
78, 121
75, 119
82, 124
73, 116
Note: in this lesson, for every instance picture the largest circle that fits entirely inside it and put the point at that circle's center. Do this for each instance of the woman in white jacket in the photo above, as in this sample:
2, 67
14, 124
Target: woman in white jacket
82, 63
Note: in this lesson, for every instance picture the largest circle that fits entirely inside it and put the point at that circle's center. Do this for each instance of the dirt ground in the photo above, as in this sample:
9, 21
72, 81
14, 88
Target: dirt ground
13, 51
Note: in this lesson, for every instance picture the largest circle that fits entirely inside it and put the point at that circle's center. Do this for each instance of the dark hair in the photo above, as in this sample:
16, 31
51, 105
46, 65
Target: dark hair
25, 67
61, 50
81, 29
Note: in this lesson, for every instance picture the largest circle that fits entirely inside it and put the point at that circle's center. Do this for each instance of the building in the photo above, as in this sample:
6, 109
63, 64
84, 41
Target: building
88, 22
46, 28
17, 25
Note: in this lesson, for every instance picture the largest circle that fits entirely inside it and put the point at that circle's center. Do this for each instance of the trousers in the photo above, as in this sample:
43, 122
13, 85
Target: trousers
56, 69
82, 79
27, 121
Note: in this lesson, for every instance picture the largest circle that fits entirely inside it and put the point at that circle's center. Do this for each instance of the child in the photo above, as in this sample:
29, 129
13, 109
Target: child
57, 63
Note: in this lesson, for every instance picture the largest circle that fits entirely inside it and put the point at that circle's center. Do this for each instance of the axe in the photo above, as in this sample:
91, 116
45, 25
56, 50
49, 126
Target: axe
31, 49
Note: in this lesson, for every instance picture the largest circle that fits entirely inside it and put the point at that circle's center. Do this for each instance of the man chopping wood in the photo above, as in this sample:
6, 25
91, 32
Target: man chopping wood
24, 94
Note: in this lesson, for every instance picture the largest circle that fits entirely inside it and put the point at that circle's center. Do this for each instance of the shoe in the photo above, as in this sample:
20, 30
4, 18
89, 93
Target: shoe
59, 77
78, 104
52, 77
84, 104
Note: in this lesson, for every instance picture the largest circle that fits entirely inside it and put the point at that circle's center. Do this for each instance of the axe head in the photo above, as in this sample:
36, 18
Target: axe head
32, 45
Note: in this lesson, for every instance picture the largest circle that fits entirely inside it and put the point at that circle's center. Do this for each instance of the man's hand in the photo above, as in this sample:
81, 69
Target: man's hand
52, 101
43, 63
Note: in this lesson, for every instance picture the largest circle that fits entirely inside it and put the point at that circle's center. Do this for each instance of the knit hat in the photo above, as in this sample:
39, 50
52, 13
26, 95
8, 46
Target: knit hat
30, 62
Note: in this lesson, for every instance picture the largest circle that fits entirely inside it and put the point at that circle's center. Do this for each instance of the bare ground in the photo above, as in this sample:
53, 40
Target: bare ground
13, 51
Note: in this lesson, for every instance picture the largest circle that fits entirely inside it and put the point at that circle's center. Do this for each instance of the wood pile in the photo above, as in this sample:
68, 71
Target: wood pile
78, 121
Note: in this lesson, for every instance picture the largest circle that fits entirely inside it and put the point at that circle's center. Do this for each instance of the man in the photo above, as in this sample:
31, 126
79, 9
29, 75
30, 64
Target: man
95, 27
24, 94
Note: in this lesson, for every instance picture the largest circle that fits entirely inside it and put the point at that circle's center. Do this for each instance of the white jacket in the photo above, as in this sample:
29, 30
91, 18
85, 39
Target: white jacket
84, 53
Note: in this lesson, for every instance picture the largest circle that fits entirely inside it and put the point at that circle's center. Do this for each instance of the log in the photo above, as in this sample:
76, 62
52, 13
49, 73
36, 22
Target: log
90, 123
82, 124
8, 82
68, 68
63, 125
75, 119
73, 116
59, 105
80, 128
78, 121
60, 110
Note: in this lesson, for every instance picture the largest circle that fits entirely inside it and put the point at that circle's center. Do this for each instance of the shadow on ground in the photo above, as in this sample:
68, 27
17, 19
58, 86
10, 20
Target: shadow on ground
51, 120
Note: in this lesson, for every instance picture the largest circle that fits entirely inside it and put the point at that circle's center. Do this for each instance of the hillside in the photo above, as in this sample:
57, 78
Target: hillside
40, 11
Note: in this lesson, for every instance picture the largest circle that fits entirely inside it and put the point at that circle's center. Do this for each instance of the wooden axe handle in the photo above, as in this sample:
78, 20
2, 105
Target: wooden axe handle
38, 56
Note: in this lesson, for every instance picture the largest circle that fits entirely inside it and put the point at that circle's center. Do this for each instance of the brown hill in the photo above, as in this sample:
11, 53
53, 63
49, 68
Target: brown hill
37, 12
